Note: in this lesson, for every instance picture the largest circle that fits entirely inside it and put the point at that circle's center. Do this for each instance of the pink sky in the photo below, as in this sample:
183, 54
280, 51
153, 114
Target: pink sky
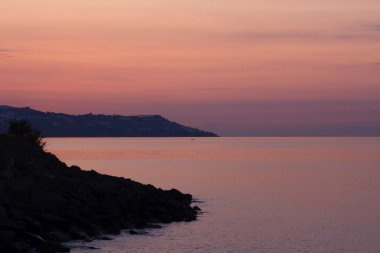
235, 67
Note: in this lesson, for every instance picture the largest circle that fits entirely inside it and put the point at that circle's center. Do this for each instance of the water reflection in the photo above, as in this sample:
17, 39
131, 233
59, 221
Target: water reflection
260, 194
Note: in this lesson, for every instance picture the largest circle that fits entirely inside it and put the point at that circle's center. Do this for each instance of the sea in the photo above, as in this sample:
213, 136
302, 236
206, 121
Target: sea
264, 195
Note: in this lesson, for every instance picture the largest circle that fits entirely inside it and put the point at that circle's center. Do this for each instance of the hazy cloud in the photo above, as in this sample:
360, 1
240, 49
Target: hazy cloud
360, 33
213, 89
277, 35
324, 117
4, 52
310, 36
375, 27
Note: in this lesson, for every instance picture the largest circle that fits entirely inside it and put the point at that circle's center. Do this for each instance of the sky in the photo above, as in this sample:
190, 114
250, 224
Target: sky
238, 68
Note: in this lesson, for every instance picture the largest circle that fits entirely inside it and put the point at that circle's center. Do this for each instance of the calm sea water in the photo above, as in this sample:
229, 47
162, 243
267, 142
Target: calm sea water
258, 194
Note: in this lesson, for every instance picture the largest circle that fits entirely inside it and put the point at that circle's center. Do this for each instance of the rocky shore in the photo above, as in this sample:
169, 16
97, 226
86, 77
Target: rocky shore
44, 203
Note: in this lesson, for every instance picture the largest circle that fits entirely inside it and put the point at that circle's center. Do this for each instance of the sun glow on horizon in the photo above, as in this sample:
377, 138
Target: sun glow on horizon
236, 68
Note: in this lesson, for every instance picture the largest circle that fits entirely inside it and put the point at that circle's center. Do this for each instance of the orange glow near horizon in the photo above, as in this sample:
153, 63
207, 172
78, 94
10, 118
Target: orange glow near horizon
197, 62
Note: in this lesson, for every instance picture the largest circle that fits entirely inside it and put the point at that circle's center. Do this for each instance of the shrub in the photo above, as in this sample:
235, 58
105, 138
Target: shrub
23, 129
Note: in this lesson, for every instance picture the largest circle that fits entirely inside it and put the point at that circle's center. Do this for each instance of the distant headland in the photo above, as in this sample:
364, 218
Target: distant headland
53, 124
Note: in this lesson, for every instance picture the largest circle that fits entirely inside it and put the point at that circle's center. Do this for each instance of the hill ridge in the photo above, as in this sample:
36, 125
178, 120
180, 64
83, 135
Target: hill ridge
55, 124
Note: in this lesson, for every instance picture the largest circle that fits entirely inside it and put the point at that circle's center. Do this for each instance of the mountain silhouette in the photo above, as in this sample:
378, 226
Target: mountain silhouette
52, 124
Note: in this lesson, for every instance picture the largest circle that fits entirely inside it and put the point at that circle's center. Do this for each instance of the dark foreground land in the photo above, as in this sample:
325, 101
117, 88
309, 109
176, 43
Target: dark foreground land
44, 203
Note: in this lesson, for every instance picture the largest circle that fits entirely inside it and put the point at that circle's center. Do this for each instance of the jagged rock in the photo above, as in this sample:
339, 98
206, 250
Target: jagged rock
32, 223
3, 213
106, 238
19, 247
59, 236
46, 203
154, 226
35, 238
7, 236
137, 232
13, 225
133, 232
77, 233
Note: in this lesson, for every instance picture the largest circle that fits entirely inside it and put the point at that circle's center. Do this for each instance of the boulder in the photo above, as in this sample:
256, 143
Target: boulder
3, 213
7, 236
19, 247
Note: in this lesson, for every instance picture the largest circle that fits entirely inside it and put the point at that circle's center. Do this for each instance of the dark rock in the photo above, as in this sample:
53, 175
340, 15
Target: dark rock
59, 236
55, 221
9, 224
15, 214
137, 232
140, 223
106, 238
3, 213
7, 236
33, 250
133, 232
19, 247
61, 248
32, 223
128, 225
153, 226
77, 233
47, 203
34, 238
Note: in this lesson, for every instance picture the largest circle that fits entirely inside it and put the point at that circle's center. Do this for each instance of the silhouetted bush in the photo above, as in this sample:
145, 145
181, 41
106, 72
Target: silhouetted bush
23, 129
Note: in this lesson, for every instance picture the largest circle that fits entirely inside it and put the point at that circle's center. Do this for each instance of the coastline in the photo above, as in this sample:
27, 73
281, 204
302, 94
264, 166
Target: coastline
45, 203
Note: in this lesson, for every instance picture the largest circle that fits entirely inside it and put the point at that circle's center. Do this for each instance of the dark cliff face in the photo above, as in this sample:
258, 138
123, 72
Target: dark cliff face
90, 125
43, 202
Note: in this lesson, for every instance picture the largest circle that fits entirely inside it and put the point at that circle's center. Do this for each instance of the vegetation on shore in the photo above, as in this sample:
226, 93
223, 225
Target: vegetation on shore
44, 203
